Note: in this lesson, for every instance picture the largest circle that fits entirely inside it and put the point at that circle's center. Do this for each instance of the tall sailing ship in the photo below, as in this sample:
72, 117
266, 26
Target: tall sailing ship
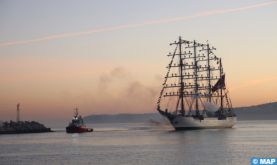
194, 94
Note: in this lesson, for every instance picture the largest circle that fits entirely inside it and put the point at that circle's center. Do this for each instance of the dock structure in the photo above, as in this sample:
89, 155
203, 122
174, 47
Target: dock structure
20, 126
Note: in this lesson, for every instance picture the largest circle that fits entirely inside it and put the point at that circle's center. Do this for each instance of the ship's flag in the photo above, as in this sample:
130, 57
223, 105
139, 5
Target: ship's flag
219, 84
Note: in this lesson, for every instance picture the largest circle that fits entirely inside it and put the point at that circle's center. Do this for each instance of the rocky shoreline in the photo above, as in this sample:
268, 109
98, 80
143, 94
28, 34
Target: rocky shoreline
23, 127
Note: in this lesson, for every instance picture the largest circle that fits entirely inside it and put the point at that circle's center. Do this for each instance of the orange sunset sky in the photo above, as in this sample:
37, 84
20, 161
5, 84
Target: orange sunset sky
110, 56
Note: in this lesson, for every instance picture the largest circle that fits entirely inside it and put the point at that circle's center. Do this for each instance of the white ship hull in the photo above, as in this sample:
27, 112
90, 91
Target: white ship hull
183, 123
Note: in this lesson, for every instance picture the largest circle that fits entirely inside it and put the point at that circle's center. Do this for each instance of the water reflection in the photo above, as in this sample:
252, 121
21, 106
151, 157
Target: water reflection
138, 144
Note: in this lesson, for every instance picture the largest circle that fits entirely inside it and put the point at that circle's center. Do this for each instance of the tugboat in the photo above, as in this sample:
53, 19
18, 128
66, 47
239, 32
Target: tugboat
194, 94
77, 124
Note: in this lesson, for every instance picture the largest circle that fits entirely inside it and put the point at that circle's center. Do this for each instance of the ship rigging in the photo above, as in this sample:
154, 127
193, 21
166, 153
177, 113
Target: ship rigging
194, 88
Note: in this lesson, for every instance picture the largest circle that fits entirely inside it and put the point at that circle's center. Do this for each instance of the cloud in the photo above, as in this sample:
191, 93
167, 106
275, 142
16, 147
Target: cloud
119, 91
117, 74
135, 25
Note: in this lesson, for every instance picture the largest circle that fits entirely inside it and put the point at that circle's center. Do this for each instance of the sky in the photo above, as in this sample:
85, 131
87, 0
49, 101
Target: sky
109, 56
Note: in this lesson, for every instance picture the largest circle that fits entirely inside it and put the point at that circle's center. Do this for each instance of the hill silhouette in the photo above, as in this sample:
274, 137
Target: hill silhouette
266, 111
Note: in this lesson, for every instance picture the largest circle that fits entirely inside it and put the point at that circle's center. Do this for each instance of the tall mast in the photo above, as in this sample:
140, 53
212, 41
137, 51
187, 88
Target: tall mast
189, 68
209, 74
221, 96
196, 79
76, 112
18, 112
181, 93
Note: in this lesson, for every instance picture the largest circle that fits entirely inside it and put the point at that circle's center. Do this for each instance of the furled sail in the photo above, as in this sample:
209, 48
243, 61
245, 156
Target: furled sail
210, 107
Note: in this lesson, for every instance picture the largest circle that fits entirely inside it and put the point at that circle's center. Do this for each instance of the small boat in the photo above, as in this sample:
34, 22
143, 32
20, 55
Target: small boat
77, 124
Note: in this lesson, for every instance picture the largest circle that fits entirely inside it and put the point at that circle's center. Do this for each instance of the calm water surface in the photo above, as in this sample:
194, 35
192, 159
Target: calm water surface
142, 144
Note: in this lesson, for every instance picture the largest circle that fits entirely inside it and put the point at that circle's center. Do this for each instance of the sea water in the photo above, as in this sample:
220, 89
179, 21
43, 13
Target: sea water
143, 144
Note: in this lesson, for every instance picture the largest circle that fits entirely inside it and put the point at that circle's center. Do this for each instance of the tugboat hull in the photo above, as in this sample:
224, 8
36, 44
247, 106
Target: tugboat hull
186, 123
72, 129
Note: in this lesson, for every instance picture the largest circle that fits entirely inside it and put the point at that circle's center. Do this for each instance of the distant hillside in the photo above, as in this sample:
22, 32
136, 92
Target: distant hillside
258, 112
123, 118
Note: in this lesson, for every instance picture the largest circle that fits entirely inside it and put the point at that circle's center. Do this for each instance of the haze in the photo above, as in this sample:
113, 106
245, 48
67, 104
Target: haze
109, 56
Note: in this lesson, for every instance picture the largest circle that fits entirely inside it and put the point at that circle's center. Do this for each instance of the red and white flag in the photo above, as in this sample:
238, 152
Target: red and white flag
219, 84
